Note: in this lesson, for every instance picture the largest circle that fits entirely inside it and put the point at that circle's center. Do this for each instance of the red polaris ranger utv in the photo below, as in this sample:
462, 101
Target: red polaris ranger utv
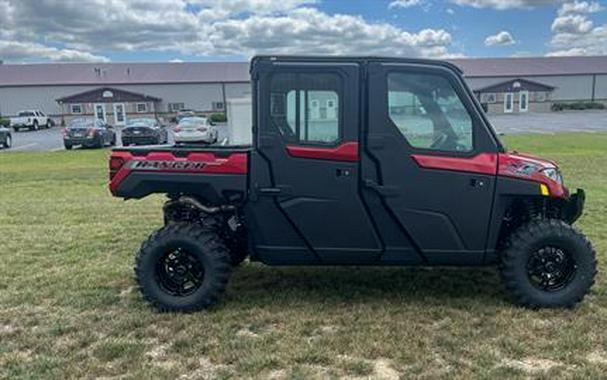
356, 161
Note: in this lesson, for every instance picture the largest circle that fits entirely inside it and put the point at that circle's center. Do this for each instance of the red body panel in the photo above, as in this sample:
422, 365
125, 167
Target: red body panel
529, 168
123, 163
512, 165
347, 152
484, 163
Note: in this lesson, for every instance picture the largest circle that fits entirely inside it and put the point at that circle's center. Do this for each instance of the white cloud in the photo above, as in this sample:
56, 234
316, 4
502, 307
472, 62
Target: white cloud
404, 3
204, 28
575, 33
310, 31
505, 4
579, 7
253, 6
17, 51
574, 24
500, 39
592, 43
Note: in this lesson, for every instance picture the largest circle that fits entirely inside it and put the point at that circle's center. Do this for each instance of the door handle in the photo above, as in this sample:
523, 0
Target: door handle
478, 183
275, 191
386, 191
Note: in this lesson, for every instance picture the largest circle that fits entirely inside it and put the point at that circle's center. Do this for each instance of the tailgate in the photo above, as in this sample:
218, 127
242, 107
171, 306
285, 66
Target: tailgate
217, 176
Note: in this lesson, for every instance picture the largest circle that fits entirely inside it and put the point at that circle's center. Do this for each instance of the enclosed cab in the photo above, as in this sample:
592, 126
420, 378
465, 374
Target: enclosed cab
357, 161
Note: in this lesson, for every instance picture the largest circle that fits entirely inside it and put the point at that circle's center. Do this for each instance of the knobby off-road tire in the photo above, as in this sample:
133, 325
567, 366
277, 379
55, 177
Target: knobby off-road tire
208, 261
548, 264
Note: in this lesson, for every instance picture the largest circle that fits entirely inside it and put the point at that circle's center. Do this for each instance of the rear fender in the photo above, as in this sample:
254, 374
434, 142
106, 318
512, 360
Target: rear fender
217, 178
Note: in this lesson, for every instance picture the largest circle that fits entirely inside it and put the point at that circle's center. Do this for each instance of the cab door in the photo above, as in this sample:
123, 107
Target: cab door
304, 205
430, 160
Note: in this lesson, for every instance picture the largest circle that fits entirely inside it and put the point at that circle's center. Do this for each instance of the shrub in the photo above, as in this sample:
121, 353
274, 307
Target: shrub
4, 122
578, 106
219, 117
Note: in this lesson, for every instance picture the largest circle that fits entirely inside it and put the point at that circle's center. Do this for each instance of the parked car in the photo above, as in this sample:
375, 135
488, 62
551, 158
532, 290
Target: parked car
184, 114
359, 191
30, 119
195, 129
6, 139
144, 131
91, 133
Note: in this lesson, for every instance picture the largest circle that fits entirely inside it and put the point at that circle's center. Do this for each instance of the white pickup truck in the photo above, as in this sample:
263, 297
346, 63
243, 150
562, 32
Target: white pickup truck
31, 119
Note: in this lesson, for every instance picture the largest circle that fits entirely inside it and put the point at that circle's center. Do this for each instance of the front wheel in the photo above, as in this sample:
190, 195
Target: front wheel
183, 267
8, 142
35, 127
548, 264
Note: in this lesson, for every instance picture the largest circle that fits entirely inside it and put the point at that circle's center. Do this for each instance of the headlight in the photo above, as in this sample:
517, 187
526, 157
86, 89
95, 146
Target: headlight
554, 174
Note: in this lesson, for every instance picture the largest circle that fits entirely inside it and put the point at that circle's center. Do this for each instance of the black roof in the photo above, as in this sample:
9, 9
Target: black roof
354, 59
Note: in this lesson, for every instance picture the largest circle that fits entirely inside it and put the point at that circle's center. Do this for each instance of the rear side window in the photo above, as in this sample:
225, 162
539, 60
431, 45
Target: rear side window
305, 108
429, 113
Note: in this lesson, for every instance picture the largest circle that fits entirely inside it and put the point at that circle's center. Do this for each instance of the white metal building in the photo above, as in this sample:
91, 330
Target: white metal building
502, 84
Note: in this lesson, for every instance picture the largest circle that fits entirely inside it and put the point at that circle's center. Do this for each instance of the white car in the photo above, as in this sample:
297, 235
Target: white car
31, 119
195, 129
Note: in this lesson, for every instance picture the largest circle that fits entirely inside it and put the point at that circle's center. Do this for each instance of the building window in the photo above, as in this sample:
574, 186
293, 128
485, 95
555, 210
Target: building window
488, 98
142, 107
176, 107
76, 109
540, 97
218, 106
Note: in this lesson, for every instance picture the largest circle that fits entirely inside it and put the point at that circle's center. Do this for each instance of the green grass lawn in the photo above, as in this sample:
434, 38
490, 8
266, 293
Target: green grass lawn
69, 307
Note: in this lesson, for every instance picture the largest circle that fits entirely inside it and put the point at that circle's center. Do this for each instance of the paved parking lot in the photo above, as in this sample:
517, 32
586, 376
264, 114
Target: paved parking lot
51, 140
547, 123
572, 121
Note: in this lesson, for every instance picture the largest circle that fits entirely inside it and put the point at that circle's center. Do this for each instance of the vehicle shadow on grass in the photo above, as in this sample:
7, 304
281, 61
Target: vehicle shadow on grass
414, 285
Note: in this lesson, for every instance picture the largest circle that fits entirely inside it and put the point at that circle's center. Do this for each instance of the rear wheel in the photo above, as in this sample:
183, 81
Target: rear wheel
183, 267
548, 264
8, 141
16, 129
67, 146
48, 124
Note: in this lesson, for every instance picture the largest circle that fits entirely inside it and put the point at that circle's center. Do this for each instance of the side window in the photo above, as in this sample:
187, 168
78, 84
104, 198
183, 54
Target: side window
428, 112
305, 107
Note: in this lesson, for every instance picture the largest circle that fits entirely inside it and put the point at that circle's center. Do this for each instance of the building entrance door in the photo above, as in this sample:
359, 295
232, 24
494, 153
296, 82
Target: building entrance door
119, 114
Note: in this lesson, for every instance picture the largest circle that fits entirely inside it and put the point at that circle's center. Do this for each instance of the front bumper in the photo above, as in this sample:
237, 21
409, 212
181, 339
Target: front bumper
574, 206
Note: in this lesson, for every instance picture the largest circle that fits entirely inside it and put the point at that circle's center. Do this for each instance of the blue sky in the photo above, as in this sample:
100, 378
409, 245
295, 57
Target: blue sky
195, 30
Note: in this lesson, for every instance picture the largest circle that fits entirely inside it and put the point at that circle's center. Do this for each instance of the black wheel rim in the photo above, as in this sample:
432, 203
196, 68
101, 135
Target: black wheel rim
179, 272
551, 268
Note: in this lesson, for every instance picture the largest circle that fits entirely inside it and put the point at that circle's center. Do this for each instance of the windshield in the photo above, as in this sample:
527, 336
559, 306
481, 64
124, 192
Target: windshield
193, 121
26, 114
141, 122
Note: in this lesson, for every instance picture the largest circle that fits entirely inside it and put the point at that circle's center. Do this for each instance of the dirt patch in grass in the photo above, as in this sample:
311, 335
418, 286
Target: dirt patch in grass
531, 365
